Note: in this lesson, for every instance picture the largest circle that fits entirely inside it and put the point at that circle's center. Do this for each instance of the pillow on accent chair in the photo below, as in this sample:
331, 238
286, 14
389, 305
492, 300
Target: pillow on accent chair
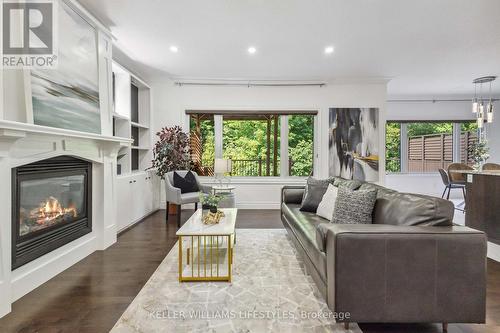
187, 183
354, 207
315, 189
327, 204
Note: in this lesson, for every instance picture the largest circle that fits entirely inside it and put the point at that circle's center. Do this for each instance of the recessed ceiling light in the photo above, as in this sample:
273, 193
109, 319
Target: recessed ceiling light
174, 49
329, 50
252, 50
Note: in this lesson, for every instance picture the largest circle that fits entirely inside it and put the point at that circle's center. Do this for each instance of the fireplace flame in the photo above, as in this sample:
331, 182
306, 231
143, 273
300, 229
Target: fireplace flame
52, 209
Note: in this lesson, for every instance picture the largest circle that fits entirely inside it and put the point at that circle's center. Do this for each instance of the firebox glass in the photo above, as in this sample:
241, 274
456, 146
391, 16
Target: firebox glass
50, 201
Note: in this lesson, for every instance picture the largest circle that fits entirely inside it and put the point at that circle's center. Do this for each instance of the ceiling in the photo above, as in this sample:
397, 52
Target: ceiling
425, 47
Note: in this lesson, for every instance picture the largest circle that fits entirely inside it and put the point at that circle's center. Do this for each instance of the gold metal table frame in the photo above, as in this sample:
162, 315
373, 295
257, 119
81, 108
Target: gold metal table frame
203, 255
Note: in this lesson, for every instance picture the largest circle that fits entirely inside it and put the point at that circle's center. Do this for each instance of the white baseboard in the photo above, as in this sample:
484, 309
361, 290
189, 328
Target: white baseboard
258, 205
241, 205
494, 251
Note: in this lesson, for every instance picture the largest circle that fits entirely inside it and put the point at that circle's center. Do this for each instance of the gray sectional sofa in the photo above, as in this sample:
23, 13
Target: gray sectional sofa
412, 265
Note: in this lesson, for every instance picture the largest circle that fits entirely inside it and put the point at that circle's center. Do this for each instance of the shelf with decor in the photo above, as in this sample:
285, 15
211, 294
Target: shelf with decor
138, 188
131, 119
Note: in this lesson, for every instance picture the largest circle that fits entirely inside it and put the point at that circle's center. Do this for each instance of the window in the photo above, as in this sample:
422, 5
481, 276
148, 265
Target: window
468, 136
300, 145
393, 147
202, 136
417, 147
253, 141
430, 146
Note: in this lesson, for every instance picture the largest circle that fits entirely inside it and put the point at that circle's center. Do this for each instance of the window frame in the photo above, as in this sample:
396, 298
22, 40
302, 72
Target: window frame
283, 149
403, 139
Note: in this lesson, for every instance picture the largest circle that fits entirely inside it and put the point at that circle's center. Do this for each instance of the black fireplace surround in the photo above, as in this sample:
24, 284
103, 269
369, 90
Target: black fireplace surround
51, 206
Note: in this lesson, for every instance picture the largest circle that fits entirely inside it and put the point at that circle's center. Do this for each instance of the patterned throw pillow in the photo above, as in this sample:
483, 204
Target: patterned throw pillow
354, 207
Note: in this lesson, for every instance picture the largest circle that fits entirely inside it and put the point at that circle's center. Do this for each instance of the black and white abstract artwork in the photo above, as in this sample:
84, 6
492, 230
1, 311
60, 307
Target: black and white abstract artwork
353, 143
68, 96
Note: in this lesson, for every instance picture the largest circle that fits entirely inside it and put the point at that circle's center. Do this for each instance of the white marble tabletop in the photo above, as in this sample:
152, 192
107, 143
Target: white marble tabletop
195, 227
223, 187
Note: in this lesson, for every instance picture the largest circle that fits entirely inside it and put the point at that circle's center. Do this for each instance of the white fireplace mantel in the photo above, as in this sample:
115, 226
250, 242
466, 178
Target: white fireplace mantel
21, 144
11, 131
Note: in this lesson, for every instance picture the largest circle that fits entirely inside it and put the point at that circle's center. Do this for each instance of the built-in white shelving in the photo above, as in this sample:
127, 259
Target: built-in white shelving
131, 119
139, 125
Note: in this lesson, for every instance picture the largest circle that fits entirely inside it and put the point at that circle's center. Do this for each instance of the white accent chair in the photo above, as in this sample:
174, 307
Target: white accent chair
174, 195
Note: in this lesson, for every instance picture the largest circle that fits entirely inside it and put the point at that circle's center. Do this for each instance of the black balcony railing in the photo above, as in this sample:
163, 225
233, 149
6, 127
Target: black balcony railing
247, 168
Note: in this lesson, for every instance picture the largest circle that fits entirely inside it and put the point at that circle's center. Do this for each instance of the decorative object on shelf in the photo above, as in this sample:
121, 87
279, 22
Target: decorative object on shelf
68, 96
478, 107
221, 167
353, 145
171, 151
210, 201
213, 218
479, 153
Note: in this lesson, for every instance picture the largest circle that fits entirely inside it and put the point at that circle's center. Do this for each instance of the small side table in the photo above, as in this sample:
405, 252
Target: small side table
229, 197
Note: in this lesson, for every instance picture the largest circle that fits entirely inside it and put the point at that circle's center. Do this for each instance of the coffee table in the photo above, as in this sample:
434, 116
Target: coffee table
206, 251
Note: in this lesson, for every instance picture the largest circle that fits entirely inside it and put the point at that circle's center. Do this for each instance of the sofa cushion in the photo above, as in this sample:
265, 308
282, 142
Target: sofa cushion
303, 225
397, 208
315, 189
354, 207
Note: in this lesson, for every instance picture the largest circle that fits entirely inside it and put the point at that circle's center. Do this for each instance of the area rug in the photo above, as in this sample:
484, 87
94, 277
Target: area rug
269, 292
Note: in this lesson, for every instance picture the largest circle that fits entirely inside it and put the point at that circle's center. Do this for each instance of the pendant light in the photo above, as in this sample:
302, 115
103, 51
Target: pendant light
483, 114
489, 109
475, 104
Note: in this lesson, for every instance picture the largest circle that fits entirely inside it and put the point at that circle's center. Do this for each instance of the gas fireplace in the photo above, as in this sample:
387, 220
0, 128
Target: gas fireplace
51, 206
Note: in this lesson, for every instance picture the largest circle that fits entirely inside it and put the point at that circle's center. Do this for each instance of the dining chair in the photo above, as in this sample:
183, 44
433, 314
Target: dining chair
449, 185
454, 172
491, 167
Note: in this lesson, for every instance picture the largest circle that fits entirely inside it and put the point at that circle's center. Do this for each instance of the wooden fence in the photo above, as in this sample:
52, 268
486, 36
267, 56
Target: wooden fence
428, 153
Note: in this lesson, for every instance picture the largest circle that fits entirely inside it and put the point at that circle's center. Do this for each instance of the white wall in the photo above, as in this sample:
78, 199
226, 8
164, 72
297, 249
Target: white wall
170, 102
431, 184
426, 110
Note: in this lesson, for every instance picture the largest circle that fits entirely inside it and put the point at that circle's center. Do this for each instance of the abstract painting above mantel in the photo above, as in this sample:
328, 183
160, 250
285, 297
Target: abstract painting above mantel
68, 97
353, 143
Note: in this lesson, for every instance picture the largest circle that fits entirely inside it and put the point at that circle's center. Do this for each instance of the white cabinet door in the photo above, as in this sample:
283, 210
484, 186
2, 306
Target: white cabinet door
138, 189
124, 202
137, 196
156, 191
148, 194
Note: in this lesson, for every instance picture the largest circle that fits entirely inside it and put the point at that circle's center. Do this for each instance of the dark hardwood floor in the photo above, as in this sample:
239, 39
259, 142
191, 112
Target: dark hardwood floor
92, 294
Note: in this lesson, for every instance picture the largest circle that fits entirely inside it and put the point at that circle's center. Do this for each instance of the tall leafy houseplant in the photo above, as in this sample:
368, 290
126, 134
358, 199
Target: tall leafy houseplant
171, 151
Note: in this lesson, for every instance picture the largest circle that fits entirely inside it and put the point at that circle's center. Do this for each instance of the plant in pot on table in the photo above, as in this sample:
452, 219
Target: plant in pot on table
210, 213
479, 153
210, 202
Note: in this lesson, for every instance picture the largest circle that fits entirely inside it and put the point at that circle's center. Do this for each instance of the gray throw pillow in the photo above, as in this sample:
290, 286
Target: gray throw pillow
315, 189
354, 207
